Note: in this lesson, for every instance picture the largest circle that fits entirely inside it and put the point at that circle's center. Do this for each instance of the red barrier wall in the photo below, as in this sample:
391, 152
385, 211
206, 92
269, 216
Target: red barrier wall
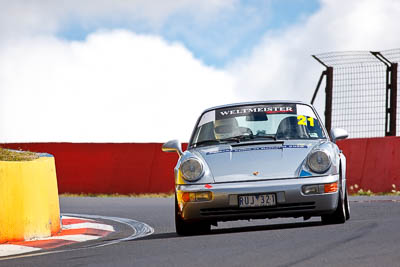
373, 163
109, 167
127, 168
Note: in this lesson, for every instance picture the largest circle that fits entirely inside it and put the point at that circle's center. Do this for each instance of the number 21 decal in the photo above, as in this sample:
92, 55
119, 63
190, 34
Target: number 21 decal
302, 120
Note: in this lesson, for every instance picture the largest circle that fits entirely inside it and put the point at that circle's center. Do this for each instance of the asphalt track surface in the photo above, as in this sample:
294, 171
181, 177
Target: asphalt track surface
370, 238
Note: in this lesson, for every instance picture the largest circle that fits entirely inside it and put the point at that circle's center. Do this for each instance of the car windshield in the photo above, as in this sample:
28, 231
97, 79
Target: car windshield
283, 121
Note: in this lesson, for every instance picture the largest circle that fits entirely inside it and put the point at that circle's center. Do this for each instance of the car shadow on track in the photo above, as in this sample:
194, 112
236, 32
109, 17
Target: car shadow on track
241, 229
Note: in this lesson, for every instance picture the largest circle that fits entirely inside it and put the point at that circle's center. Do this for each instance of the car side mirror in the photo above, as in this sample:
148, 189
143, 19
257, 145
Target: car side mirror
173, 146
338, 134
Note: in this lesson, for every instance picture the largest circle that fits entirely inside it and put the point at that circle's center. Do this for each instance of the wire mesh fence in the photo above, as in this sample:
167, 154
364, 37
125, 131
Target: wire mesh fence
359, 96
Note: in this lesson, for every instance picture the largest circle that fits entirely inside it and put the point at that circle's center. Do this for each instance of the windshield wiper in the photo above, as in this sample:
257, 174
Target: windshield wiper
238, 138
265, 137
207, 142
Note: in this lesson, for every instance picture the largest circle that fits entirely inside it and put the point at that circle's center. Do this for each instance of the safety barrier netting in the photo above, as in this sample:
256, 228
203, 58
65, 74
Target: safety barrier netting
359, 97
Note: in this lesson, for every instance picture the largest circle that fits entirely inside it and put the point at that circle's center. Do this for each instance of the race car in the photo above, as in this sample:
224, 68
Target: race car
259, 160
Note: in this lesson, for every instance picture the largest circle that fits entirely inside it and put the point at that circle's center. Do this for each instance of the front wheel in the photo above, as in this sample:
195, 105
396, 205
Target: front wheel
347, 206
339, 215
189, 228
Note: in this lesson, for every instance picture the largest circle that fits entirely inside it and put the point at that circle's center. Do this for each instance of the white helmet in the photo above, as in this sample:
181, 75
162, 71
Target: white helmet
226, 128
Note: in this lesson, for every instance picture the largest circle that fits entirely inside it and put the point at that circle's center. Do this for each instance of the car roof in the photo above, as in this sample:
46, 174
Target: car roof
257, 103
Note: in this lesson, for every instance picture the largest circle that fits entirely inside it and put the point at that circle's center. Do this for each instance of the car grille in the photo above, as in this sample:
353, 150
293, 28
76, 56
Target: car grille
265, 210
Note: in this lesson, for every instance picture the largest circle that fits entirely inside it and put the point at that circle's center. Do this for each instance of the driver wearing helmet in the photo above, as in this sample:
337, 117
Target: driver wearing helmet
226, 128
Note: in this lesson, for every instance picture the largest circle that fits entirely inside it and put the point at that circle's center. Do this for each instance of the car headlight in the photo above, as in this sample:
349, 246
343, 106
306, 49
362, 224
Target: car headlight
319, 161
192, 169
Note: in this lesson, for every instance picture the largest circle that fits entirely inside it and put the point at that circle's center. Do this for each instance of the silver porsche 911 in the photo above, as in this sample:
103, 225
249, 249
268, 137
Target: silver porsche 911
259, 160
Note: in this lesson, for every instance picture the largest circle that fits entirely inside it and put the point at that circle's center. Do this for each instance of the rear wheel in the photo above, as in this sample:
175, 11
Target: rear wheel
189, 228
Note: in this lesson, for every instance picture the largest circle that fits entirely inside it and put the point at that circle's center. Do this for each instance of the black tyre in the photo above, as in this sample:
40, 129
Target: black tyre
339, 216
347, 206
189, 228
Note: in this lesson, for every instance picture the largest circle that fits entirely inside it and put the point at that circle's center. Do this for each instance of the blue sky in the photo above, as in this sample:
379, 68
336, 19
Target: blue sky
143, 71
230, 33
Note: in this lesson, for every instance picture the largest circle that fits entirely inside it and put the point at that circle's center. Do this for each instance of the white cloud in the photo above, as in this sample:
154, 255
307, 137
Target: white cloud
123, 87
114, 87
281, 67
29, 17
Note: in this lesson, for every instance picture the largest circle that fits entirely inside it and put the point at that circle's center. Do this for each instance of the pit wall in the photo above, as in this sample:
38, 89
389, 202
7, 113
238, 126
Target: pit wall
373, 163
123, 168
133, 168
29, 206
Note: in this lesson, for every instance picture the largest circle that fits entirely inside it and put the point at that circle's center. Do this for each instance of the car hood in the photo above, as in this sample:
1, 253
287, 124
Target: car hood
252, 161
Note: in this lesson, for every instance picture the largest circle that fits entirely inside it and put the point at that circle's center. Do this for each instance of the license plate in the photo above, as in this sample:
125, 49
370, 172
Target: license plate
261, 200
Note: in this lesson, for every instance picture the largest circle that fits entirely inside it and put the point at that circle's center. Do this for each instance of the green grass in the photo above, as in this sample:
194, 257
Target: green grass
356, 191
17, 155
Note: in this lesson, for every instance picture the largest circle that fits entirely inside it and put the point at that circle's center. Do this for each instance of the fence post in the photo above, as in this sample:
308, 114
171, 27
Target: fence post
328, 98
391, 94
393, 99
317, 88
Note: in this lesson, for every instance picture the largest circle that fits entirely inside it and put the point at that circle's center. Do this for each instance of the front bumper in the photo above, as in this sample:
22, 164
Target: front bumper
290, 200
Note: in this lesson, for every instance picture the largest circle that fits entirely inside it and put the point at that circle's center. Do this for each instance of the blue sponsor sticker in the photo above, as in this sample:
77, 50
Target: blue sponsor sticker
255, 149
304, 173
295, 146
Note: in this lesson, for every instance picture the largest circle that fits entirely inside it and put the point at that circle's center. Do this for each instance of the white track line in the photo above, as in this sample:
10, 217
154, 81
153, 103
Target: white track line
9, 249
140, 230
77, 238
13, 249
98, 226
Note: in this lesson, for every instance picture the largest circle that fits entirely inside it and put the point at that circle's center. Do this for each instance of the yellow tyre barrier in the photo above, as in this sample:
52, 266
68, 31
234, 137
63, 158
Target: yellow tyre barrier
29, 206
